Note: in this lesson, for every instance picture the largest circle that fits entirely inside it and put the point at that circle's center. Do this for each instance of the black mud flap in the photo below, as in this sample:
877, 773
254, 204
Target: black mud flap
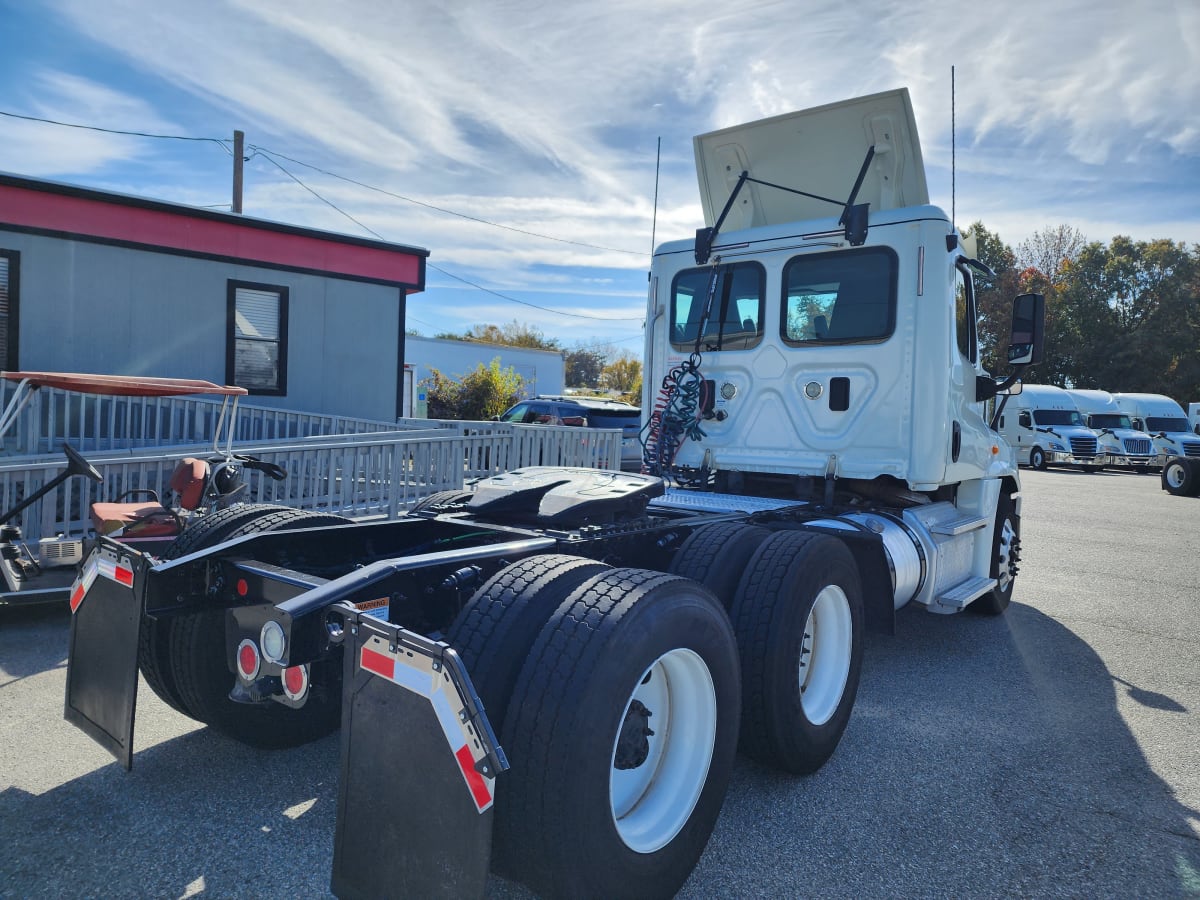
102, 670
419, 761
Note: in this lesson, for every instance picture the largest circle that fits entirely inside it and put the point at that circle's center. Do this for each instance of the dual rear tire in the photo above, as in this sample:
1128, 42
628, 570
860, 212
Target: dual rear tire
183, 659
622, 716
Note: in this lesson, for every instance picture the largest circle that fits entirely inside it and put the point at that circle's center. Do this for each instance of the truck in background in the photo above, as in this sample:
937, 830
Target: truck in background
1164, 420
1125, 446
1194, 417
818, 454
1045, 428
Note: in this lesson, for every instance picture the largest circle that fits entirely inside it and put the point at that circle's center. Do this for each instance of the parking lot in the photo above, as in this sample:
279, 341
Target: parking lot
1054, 751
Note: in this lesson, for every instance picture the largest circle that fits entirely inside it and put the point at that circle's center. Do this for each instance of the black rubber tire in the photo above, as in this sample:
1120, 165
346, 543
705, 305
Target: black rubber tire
1037, 459
716, 556
154, 649
494, 631
1006, 552
555, 829
770, 613
441, 498
1181, 477
203, 679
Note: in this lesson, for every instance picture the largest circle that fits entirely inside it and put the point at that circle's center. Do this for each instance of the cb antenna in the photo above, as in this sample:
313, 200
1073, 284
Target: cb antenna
953, 216
654, 219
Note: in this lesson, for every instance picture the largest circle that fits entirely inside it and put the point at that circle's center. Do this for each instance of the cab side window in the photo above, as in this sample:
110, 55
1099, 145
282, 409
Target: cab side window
965, 314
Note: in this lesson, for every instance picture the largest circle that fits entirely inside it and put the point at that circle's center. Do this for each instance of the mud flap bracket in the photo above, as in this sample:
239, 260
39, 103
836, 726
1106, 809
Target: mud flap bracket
418, 766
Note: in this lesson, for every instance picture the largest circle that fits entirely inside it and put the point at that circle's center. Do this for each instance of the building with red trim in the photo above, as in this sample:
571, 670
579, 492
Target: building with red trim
92, 281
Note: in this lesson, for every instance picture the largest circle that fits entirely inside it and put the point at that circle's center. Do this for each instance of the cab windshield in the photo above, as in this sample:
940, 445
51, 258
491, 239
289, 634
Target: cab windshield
1169, 424
1109, 420
1057, 417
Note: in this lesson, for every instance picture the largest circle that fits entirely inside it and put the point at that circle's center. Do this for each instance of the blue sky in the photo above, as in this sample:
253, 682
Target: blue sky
546, 118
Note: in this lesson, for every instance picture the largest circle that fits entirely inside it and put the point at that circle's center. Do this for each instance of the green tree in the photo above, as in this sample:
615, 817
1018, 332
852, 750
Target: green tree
514, 334
483, 392
1131, 311
582, 367
623, 374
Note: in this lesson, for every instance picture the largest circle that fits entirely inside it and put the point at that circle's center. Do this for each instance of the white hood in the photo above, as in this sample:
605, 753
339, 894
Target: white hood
819, 151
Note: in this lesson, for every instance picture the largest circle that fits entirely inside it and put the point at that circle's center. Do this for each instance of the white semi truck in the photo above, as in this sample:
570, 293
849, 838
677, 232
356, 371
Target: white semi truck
1125, 445
1164, 421
1045, 428
817, 456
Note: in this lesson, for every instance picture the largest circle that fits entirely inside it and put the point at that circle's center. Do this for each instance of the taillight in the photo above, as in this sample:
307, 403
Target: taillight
247, 660
295, 682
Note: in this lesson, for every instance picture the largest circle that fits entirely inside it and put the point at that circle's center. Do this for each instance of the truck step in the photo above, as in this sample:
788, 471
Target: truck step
960, 525
961, 594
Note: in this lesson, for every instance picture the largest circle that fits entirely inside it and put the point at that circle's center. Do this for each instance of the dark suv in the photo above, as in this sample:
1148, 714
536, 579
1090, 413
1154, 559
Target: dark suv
586, 412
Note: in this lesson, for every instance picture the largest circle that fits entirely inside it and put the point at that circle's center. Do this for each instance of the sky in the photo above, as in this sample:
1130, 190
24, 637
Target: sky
540, 150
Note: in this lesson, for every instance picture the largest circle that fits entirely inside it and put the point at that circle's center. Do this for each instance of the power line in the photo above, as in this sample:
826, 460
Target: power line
466, 281
270, 155
167, 137
449, 212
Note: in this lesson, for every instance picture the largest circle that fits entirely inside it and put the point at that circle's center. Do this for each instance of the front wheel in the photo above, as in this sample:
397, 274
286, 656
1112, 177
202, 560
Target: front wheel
798, 616
1006, 552
1181, 477
622, 735
1037, 459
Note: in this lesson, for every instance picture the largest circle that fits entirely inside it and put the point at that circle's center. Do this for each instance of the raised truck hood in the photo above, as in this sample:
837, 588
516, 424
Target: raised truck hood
817, 150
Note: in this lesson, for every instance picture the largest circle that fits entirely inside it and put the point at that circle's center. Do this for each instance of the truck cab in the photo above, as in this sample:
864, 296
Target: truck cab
1126, 445
1164, 420
1045, 428
824, 354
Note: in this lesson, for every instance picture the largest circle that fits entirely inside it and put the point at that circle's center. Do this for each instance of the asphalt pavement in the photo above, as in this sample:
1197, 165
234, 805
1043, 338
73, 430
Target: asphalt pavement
1050, 752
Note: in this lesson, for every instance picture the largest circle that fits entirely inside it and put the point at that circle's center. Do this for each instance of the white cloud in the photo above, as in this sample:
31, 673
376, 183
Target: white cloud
545, 117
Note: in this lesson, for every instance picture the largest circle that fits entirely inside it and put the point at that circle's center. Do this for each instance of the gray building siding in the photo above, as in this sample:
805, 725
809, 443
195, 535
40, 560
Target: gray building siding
87, 307
111, 283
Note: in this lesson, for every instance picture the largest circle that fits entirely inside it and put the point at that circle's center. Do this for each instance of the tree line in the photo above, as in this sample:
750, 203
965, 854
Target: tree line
1122, 316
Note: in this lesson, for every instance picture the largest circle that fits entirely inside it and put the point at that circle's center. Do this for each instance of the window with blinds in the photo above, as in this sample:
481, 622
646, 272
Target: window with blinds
8, 309
256, 355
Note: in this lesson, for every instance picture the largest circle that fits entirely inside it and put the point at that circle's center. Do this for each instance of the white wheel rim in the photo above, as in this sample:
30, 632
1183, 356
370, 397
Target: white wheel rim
1004, 562
1175, 476
825, 654
651, 802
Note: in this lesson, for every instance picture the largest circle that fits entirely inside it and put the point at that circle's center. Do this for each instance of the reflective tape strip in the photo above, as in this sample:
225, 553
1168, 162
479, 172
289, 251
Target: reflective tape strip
115, 572
434, 689
83, 584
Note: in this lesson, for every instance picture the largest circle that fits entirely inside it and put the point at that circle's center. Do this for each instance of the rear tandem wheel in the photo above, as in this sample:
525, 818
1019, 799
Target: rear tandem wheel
198, 676
798, 616
622, 733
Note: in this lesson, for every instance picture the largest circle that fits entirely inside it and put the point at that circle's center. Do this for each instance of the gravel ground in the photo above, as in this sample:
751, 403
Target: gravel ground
1051, 752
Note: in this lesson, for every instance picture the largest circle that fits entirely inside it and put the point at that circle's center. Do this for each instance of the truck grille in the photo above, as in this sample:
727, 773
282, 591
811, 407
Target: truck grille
1137, 446
1192, 448
1083, 447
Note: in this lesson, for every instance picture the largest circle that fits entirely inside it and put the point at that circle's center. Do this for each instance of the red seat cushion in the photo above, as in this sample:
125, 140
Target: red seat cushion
188, 481
140, 519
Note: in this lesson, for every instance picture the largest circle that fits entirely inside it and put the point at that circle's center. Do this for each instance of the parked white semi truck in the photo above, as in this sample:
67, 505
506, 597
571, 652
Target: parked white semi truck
1164, 421
1125, 445
817, 456
1045, 428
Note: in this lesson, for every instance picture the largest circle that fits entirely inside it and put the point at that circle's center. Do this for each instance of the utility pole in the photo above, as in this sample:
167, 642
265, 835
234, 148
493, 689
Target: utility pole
239, 142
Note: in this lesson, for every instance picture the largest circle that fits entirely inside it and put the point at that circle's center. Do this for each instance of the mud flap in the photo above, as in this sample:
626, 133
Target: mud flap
418, 767
102, 671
